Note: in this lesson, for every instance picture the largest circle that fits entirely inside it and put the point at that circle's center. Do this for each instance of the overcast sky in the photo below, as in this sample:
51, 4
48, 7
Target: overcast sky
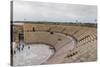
40, 11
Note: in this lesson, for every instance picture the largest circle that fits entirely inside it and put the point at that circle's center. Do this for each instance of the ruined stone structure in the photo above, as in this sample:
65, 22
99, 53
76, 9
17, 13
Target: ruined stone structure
71, 43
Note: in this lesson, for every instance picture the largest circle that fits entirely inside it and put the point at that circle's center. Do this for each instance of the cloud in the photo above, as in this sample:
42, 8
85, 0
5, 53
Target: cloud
39, 11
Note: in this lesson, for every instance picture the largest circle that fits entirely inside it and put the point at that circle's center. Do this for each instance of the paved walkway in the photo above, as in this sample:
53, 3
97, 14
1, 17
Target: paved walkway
32, 55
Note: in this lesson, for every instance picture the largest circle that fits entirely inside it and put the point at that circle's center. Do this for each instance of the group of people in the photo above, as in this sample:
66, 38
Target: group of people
20, 47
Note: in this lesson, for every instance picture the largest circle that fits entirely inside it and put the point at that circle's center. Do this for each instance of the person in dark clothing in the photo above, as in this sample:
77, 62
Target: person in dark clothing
18, 48
28, 47
22, 46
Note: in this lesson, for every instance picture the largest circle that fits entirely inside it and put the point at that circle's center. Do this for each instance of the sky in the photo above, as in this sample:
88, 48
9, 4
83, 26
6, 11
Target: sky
53, 12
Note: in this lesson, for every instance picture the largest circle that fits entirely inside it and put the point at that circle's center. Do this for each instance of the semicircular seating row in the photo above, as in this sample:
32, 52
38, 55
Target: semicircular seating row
72, 43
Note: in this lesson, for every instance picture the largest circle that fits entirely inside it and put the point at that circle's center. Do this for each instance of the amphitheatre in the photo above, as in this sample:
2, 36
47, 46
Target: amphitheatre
61, 42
